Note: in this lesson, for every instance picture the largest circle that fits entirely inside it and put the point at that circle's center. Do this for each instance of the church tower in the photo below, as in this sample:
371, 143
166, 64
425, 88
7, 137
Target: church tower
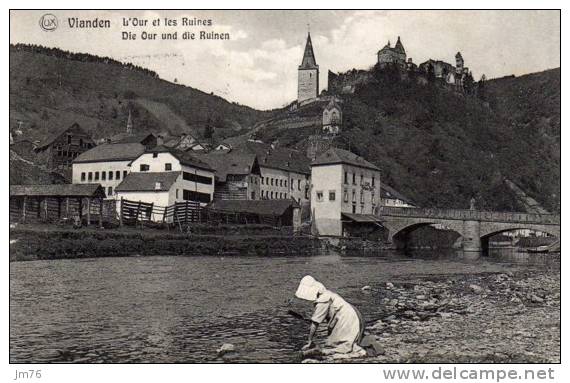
130, 124
308, 83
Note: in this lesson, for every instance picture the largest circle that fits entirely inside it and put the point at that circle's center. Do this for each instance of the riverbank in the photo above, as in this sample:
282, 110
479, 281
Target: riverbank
490, 318
39, 242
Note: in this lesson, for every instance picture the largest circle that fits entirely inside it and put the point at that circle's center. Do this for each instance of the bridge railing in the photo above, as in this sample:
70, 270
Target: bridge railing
464, 214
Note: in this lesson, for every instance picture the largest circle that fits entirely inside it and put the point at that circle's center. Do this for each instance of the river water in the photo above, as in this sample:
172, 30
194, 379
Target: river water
181, 309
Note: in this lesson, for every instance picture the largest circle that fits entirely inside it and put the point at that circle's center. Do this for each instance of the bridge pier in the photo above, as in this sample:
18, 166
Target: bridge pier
472, 236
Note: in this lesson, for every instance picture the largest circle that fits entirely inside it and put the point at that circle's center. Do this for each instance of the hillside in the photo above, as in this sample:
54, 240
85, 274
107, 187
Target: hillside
441, 147
49, 88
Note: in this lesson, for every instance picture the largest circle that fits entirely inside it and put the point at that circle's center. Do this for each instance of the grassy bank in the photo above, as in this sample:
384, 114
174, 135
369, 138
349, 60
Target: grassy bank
36, 242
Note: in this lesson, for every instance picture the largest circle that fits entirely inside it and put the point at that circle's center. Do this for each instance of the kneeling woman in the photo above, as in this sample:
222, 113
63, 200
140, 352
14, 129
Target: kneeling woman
345, 325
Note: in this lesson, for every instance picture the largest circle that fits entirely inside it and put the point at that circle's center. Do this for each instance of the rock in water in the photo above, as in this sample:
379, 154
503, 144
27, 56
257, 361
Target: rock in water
475, 288
226, 347
366, 288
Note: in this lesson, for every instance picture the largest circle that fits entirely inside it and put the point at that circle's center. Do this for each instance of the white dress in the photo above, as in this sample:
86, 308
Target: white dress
345, 326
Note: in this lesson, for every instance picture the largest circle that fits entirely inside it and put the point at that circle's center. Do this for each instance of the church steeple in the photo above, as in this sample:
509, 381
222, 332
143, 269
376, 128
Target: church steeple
309, 61
308, 80
129, 124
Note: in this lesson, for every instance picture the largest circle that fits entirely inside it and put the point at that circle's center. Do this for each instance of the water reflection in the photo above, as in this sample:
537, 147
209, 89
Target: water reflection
181, 309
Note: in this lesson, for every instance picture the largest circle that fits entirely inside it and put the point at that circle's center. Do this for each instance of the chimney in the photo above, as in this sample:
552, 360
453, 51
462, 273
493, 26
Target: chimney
158, 185
160, 140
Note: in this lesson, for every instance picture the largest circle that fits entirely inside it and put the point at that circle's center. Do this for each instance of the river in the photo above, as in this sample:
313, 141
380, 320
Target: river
181, 309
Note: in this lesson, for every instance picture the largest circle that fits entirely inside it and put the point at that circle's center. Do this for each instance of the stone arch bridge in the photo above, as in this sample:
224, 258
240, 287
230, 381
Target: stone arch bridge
475, 227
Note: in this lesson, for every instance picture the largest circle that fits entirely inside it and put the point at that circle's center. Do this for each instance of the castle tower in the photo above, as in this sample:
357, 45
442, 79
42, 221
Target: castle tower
459, 63
308, 82
400, 52
130, 124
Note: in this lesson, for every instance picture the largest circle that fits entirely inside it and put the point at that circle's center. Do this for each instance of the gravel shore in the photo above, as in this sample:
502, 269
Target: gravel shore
490, 318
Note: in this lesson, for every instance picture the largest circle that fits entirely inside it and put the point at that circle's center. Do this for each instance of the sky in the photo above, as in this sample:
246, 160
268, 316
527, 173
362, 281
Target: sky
257, 66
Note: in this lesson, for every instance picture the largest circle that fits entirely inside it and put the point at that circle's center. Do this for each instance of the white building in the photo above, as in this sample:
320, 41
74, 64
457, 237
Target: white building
164, 176
345, 192
391, 197
106, 164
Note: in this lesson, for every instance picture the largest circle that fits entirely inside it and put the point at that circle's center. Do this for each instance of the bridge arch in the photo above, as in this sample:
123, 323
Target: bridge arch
398, 234
488, 230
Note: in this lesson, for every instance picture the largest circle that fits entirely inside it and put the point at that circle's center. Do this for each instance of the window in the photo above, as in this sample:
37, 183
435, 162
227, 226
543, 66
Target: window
144, 168
196, 178
354, 196
362, 179
293, 185
83, 176
272, 182
373, 179
168, 167
262, 193
69, 139
354, 178
154, 155
110, 175
361, 197
346, 196
271, 195
109, 191
281, 183
353, 209
104, 176
188, 195
90, 176
252, 195
346, 178
262, 178
176, 193
96, 176
285, 183
319, 196
299, 184
332, 195
124, 174
285, 195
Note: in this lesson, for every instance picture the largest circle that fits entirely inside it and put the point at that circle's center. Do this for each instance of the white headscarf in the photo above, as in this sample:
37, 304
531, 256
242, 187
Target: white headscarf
309, 288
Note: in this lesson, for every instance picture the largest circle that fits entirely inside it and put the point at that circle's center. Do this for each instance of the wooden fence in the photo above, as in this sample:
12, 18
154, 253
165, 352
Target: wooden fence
56, 210
182, 214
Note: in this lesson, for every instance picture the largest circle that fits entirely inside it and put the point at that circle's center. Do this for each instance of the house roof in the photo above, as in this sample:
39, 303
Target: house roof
58, 190
265, 207
147, 181
111, 152
226, 162
56, 134
361, 218
126, 138
341, 156
277, 158
386, 191
185, 158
